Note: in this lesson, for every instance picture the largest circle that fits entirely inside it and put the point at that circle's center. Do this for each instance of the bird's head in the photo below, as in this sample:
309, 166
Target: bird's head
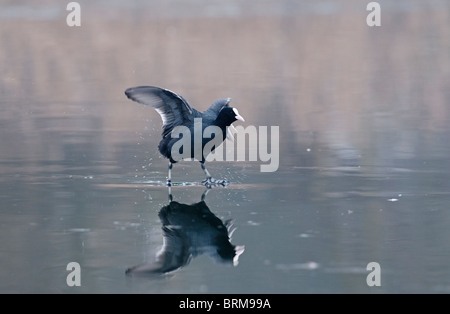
229, 115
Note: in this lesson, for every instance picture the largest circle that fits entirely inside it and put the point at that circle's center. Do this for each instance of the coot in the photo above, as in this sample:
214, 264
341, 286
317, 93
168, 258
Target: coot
175, 111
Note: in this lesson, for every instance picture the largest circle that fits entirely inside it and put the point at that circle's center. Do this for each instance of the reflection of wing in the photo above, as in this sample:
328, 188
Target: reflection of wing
173, 255
173, 109
175, 251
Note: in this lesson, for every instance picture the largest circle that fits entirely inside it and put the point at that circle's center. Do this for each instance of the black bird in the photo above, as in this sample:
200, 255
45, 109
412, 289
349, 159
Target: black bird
189, 231
175, 111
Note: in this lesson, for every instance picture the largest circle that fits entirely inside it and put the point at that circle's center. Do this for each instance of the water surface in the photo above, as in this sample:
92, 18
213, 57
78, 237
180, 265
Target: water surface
364, 121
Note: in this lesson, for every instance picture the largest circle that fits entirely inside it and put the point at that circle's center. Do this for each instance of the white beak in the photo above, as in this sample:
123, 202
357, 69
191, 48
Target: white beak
238, 116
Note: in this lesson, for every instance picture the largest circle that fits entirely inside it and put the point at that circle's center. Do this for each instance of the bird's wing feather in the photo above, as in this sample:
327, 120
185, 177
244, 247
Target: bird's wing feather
173, 255
214, 109
173, 109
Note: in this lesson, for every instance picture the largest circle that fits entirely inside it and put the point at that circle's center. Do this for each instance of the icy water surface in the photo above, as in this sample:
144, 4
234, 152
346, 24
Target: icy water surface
364, 170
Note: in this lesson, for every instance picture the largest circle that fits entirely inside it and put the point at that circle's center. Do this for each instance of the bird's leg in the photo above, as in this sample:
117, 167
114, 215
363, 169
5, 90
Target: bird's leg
210, 181
169, 176
169, 181
170, 193
204, 194
208, 175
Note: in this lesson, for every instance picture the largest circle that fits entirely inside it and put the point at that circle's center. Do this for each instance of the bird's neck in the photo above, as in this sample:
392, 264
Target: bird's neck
222, 122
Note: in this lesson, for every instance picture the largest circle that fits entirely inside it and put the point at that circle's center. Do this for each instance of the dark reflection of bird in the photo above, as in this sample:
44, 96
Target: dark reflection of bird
175, 111
189, 231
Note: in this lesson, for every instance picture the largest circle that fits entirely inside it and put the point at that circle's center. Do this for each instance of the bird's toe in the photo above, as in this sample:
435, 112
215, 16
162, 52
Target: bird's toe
211, 182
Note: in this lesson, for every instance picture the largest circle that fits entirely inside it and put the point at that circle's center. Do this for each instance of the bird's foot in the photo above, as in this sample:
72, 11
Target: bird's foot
211, 182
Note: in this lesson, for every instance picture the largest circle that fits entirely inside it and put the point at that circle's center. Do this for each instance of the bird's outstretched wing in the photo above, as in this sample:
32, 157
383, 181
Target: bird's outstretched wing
173, 109
214, 109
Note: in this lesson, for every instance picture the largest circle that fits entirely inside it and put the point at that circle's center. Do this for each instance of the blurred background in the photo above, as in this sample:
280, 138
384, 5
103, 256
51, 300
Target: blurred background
364, 154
